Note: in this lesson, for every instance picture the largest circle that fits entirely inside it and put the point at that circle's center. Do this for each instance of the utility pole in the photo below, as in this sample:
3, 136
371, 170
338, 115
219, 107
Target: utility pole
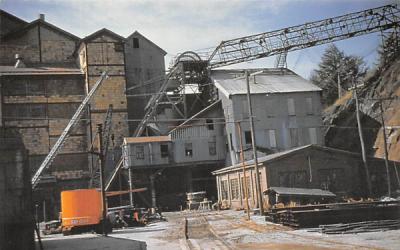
130, 186
360, 134
253, 143
386, 151
246, 191
102, 186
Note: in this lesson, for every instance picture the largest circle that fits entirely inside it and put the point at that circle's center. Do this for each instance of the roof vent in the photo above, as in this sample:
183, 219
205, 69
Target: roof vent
19, 63
41, 17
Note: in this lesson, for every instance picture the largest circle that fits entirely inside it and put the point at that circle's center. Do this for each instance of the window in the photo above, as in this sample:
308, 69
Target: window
235, 189
24, 87
270, 108
15, 111
188, 149
140, 152
313, 135
248, 187
272, 138
212, 147
210, 124
247, 137
294, 137
118, 47
164, 150
135, 42
309, 106
231, 140
291, 109
292, 178
224, 190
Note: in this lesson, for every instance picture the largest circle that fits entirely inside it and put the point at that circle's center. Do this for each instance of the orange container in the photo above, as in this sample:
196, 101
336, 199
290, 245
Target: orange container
82, 207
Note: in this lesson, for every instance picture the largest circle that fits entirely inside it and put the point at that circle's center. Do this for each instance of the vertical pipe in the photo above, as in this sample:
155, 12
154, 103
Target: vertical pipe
101, 167
386, 151
130, 186
153, 191
253, 143
246, 191
44, 211
360, 133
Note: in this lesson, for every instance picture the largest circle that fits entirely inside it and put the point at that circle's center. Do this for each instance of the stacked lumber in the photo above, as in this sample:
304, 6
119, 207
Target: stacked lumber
360, 227
316, 215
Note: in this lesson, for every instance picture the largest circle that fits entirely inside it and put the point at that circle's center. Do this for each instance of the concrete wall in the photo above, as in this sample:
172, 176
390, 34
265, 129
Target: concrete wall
271, 113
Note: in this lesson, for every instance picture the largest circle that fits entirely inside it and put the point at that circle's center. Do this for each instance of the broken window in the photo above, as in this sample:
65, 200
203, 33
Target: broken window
212, 147
291, 108
272, 138
14, 111
235, 189
247, 137
210, 124
164, 150
248, 187
24, 87
224, 190
293, 179
135, 42
119, 47
140, 152
188, 149
309, 106
330, 179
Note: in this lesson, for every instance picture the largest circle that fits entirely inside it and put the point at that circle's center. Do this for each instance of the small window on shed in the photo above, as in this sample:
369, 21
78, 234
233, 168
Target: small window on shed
272, 138
188, 149
119, 47
135, 42
247, 137
210, 124
212, 147
313, 135
164, 150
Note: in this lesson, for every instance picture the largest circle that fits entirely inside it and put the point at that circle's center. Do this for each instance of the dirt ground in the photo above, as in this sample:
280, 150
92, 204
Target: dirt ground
221, 230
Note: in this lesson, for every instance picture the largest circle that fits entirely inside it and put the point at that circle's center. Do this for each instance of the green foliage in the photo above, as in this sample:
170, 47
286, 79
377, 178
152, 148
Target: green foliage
336, 66
389, 49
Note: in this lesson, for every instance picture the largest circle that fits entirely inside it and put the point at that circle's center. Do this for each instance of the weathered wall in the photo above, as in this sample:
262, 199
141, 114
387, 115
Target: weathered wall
143, 62
271, 113
16, 218
340, 173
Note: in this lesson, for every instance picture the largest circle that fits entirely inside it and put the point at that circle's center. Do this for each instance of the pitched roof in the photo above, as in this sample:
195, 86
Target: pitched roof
41, 22
11, 16
136, 33
268, 81
300, 191
287, 153
103, 31
147, 139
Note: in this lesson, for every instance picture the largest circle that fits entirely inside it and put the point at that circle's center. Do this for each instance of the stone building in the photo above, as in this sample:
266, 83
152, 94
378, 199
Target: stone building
41, 89
311, 167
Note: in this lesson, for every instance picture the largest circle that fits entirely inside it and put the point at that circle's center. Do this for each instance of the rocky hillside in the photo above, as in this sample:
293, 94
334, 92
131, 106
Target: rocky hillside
340, 119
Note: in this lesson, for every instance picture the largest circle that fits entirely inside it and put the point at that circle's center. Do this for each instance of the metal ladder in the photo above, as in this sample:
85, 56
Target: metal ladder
64, 135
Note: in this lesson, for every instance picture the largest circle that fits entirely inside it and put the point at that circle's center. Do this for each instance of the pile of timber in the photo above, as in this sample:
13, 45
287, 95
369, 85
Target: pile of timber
360, 227
316, 215
194, 199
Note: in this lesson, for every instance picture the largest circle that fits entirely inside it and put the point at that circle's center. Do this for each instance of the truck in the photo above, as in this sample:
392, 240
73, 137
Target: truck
81, 211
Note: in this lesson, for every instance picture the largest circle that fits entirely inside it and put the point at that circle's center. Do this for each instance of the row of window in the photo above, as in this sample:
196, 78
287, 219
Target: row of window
40, 110
270, 107
272, 137
234, 188
43, 87
139, 150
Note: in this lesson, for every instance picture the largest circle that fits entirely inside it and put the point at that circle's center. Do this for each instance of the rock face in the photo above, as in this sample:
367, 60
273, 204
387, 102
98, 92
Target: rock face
340, 118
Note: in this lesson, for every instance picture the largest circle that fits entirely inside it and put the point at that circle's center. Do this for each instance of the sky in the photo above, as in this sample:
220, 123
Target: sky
181, 25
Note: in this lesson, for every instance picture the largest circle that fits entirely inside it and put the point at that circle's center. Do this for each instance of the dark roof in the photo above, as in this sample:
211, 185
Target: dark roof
101, 32
44, 23
42, 70
287, 153
11, 16
136, 33
299, 191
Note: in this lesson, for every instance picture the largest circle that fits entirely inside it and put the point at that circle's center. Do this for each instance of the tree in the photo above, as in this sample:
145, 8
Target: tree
389, 49
336, 72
